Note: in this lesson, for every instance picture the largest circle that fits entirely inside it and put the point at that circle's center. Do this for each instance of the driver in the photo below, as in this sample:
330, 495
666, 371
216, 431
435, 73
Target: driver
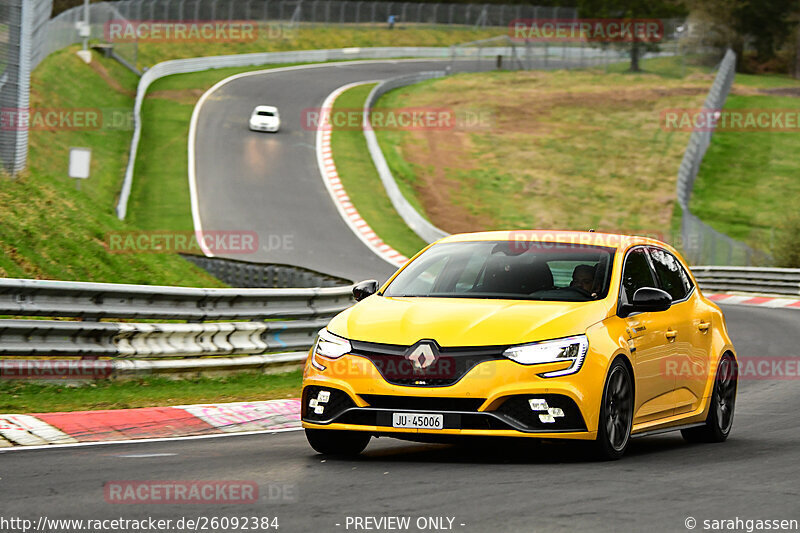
583, 277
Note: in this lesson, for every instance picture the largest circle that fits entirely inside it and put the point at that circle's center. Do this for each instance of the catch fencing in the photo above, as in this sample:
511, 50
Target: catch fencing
701, 243
337, 12
23, 25
28, 34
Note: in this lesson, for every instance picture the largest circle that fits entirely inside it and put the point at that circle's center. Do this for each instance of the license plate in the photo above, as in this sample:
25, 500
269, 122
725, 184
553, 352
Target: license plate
417, 421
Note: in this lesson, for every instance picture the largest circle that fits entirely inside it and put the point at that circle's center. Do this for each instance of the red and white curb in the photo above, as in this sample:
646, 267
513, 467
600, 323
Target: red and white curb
148, 423
774, 302
330, 177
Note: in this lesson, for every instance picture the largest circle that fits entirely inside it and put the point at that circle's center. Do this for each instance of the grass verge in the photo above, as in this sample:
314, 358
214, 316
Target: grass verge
50, 230
749, 182
40, 397
275, 38
361, 181
562, 149
160, 195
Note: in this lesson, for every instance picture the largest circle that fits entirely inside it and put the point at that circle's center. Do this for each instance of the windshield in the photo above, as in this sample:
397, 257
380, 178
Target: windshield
507, 270
266, 114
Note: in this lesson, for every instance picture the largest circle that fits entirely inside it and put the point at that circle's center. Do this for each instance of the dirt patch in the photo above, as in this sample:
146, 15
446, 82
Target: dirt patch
782, 91
434, 189
557, 154
184, 96
528, 118
112, 82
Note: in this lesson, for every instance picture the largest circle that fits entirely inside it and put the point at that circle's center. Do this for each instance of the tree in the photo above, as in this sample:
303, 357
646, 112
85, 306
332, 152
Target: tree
633, 9
765, 26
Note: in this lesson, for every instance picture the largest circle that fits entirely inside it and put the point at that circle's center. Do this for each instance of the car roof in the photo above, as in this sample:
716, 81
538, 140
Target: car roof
265, 108
609, 240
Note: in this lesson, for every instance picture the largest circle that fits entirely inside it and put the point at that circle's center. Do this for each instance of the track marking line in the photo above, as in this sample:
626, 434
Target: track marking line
192, 164
141, 441
337, 192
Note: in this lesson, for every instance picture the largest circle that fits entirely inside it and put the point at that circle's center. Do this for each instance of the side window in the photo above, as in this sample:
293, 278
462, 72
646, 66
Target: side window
636, 274
671, 275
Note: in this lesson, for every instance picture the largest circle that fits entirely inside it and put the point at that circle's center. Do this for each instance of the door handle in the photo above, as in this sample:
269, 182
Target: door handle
671, 334
703, 326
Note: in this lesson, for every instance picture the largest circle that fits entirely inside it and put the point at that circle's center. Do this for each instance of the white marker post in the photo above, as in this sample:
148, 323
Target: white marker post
80, 159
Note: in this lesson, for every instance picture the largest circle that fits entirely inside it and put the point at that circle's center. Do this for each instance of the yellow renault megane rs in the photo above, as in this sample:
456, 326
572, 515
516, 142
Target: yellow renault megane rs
557, 335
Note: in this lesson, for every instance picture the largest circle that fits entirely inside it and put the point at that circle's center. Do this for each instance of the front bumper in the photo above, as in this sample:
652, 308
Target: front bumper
491, 399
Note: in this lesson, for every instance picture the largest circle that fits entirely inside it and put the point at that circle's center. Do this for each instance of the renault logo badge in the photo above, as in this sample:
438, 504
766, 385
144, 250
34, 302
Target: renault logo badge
423, 355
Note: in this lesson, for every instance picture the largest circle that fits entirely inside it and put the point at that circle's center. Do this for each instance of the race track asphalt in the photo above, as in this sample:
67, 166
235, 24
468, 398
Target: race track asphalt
551, 487
271, 184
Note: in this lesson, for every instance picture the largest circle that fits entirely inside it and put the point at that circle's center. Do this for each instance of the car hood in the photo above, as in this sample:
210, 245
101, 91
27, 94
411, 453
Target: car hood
464, 322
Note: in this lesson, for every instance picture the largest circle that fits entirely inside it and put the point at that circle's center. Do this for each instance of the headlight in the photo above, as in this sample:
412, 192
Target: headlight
556, 351
330, 346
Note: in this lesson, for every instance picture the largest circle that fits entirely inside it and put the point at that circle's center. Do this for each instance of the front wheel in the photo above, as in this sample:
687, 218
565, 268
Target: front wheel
616, 413
719, 421
337, 442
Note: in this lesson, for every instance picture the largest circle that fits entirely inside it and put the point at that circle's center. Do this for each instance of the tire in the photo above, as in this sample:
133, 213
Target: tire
616, 414
719, 421
337, 442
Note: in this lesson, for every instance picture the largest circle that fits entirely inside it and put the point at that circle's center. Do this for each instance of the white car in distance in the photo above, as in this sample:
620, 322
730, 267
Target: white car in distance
265, 118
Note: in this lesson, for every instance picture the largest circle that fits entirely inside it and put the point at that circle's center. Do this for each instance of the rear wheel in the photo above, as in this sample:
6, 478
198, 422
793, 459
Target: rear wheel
719, 421
616, 413
337, 442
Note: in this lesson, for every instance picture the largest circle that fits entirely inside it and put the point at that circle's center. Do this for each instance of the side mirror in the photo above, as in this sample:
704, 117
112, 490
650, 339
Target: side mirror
647, 299
365, 288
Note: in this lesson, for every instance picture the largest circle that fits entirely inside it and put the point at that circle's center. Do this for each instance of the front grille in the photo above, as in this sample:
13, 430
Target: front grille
450, 366
338, 402
518, 410
441, 405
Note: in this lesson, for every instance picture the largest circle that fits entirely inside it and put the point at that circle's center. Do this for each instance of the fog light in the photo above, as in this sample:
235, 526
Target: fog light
313, 402
319, 409
538, 404
323, 396
556, 412
546, 418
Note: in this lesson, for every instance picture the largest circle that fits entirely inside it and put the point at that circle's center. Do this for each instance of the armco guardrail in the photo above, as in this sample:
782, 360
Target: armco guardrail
524, 58
257, 275
110, 339
701, 242
23, 297
145, 348
779, 281
418, 224
196, 64
280, 320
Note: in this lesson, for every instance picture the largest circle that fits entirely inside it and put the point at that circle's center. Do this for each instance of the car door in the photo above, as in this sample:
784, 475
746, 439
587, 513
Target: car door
690, 322
648, 341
